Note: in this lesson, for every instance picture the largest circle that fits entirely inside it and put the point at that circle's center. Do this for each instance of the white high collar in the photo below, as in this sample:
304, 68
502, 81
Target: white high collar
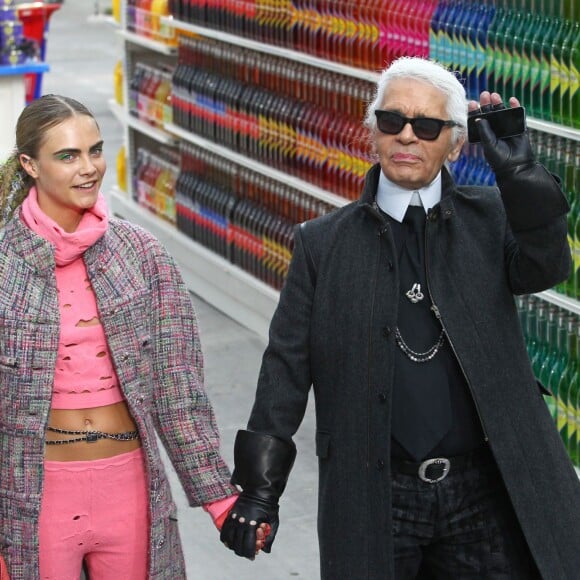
394, 199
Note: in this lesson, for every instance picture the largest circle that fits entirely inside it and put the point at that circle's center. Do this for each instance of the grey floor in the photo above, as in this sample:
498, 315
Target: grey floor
82, 49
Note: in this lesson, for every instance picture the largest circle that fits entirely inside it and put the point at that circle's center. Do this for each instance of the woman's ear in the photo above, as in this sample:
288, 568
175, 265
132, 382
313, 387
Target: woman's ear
28, 165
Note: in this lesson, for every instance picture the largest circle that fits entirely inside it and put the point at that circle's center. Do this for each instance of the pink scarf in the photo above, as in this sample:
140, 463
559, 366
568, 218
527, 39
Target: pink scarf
69, 246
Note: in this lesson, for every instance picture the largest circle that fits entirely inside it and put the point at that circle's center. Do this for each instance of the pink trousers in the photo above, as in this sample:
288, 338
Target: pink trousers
96, 512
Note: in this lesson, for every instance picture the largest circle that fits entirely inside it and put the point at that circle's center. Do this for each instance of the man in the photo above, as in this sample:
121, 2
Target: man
437, 455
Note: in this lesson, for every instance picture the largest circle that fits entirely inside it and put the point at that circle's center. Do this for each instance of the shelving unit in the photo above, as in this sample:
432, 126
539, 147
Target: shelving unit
172, 133
231, 290
223, 284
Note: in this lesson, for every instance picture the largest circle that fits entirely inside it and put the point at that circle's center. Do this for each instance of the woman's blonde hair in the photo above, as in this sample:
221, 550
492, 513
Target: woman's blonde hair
36, 119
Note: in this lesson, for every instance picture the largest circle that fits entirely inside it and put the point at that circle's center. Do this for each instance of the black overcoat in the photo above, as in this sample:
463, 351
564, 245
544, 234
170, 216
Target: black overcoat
333, 329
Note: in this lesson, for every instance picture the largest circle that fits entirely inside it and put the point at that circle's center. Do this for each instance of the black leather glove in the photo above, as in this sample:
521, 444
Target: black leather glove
503, 154
532, 196
262, 466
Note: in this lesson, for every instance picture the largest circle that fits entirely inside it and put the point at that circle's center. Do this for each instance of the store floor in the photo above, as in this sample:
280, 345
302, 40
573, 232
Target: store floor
82, 49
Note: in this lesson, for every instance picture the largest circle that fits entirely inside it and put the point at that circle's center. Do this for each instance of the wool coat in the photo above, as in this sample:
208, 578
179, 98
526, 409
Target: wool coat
152, 334
334, 329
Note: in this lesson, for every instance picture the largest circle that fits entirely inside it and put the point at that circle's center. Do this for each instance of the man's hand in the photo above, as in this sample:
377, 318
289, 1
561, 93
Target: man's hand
251, 526
501, 154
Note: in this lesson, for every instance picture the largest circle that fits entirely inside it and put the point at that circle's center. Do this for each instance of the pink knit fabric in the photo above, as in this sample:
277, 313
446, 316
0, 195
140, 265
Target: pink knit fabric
84, 376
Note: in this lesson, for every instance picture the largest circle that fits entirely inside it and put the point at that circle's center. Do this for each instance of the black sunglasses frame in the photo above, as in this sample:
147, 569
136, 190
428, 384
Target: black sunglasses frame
439, 123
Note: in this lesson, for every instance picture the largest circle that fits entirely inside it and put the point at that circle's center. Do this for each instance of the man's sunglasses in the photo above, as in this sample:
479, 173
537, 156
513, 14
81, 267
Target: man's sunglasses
425, 128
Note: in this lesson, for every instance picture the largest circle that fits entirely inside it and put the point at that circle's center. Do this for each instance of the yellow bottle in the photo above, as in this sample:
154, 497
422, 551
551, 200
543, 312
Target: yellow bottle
122, 169
116, 9
118, 81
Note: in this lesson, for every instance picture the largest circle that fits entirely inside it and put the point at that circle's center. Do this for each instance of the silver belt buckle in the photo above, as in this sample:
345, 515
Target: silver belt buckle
442, 461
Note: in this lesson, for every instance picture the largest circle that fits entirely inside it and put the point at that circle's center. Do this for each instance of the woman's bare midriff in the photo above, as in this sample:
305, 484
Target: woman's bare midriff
109, 419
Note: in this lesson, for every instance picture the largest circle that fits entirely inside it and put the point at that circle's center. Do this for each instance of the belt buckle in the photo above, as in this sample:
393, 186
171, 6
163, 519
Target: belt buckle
440, 461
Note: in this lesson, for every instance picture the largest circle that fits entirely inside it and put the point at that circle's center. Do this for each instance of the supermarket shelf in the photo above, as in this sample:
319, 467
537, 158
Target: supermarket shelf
223, 285
158, 135
537, 124
560, 300
258, 167
272, 49
145, 42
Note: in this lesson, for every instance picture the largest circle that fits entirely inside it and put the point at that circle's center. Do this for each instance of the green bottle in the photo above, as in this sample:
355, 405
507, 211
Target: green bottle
565, 75
526, 52
506, 48
575, 77
572, 402
540, 347
556, 72
573, 418
521, 29
545, 94
557, 370
531, 326
565, 380
493, 52
534, 97
556, 318
490, 41
575, 400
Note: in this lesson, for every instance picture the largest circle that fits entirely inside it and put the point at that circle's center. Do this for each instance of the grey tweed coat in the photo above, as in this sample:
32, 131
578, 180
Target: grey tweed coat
333, 329
153, 337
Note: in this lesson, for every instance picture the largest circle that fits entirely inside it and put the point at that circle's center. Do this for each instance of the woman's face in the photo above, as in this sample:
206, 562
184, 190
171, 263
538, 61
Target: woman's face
68, 170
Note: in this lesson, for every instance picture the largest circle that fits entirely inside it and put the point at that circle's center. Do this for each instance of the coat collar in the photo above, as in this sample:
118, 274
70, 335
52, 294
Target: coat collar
368, 197
37, 252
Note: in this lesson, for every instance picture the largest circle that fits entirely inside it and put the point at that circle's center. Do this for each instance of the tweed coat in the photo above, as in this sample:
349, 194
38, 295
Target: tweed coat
333, 329
152, 334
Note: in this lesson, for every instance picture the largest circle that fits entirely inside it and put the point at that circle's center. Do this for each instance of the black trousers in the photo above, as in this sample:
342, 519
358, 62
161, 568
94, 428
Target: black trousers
462, 527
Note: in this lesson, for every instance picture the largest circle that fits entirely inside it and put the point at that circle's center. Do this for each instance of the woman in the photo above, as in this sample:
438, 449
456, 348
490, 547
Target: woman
99, 353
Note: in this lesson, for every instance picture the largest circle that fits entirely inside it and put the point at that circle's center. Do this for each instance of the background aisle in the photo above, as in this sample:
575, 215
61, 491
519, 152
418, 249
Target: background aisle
82, 50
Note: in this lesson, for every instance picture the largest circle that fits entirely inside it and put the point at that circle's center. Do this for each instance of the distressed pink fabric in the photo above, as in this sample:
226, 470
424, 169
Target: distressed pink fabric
84, 375
96, 511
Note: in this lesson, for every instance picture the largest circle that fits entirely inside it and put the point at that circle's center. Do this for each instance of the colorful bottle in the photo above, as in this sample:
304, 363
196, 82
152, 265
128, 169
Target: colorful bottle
575, 78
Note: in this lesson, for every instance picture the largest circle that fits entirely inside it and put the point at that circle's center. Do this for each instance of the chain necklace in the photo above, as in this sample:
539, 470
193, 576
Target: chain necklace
419, 357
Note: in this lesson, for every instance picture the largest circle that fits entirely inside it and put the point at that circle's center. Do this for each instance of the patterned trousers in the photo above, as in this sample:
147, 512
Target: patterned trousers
462, 527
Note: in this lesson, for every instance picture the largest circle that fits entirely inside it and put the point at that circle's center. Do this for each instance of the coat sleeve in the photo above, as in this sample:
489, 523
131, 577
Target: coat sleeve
536, 248
285, 379
183, 415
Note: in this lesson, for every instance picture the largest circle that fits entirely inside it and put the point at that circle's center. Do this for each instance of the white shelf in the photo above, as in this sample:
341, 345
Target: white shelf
272, 49
553, 128
158, 135
297, 183
148, 43
223, 285
560, 300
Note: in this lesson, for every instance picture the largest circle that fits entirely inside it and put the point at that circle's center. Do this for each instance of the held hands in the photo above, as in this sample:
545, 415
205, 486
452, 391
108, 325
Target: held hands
501, 154
251, 526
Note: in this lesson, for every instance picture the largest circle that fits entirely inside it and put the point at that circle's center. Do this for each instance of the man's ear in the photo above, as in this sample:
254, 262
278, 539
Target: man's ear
453, 155
29, 165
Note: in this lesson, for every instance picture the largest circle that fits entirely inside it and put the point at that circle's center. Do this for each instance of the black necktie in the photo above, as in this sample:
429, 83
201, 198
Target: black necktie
421, 403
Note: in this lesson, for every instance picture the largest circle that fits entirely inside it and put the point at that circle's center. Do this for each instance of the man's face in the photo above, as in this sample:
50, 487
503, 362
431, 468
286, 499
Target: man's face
405, 159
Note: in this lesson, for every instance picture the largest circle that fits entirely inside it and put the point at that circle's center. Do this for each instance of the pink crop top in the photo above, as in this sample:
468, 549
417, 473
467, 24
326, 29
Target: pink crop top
84, 376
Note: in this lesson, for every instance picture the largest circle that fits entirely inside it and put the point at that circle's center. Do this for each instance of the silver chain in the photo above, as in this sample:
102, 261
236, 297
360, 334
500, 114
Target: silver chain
419, 357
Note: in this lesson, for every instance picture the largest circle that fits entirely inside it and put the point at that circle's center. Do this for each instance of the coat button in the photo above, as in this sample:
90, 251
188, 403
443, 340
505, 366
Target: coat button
382, 398
380, 464
390, 265
386, 331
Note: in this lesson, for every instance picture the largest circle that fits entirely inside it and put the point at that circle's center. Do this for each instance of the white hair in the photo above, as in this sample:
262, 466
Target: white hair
426, 71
